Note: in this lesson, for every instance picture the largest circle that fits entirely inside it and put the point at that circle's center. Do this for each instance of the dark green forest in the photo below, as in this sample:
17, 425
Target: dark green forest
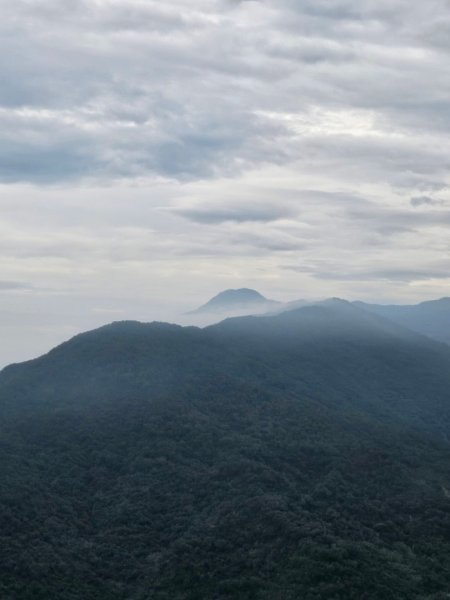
303, 456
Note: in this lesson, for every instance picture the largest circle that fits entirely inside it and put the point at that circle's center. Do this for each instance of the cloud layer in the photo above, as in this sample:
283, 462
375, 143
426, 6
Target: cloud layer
124, 88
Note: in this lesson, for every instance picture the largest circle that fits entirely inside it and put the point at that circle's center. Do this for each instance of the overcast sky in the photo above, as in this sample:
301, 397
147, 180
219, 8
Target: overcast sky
153, 154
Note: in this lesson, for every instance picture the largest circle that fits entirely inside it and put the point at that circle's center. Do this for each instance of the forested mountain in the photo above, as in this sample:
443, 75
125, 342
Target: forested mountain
431, 318
303, 455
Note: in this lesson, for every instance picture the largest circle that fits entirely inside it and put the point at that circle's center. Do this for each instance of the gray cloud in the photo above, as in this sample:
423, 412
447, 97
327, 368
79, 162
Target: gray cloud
7, 286
425, 201
405, 275
236, 214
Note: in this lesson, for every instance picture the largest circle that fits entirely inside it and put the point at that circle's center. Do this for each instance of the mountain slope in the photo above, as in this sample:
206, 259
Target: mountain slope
429, 318
297, 456
343, 354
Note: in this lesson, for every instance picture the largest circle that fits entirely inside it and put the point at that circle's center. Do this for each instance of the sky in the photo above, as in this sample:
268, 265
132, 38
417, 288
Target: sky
153, 154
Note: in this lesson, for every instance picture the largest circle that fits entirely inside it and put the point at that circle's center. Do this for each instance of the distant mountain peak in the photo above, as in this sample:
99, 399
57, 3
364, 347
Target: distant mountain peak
235, 299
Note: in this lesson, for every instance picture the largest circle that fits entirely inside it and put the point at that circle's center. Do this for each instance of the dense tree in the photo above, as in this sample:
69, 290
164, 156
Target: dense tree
298, 456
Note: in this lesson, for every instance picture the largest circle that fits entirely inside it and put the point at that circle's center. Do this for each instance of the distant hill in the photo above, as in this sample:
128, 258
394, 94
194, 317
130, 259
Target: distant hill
232, 301
300, 455
430, 318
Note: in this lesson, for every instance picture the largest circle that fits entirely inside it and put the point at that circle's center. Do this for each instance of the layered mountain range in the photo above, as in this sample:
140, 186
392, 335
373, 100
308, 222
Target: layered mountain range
431, 318
303, 454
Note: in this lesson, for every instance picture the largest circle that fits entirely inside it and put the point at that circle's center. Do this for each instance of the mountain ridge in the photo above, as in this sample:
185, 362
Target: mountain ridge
431, 317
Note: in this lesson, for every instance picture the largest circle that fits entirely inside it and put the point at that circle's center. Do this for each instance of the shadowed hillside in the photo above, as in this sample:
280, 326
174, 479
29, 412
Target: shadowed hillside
430, 318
